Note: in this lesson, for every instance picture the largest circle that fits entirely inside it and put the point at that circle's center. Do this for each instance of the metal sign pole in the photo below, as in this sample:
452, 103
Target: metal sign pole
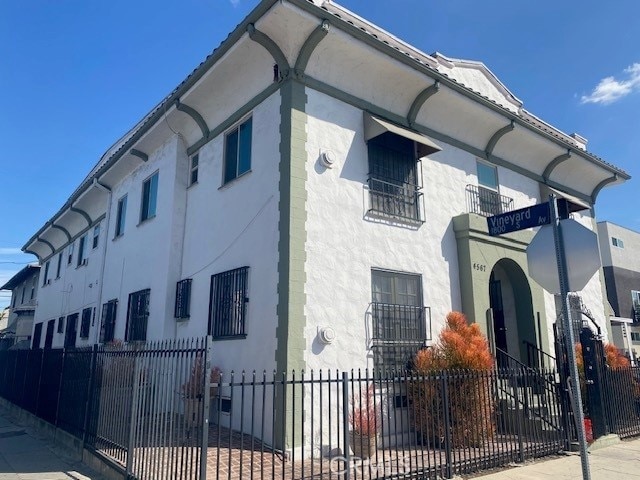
568, 336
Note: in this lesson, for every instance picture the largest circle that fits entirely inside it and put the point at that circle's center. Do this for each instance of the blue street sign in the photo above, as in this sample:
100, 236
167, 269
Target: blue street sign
515, 220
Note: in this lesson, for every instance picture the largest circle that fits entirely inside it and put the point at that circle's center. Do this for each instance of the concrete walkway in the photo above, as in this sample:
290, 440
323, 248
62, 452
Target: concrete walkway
24, 455
617, 462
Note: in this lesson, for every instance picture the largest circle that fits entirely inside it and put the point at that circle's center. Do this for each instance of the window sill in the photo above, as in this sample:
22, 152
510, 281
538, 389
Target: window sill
231, 337
192, 185
233, 180
117, 237
146, 220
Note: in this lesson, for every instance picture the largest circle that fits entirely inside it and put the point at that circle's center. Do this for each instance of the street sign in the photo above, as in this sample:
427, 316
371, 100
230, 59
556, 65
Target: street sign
515, 220
582, 257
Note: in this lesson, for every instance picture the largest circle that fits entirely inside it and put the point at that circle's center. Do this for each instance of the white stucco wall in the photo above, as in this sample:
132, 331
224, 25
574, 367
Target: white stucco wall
75, 289
233, 226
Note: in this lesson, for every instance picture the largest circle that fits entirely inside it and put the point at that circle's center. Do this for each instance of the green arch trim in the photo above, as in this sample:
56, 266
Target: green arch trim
195, 115
63, 230
495, 138
420, 100
271, 47
84, 214
309, 46
601, 185
554, 163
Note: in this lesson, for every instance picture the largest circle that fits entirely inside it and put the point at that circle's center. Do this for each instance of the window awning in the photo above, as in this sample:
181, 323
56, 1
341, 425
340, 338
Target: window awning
374, 126
575, 204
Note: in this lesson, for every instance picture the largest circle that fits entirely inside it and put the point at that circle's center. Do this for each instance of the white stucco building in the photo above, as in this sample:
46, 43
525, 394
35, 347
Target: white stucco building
19, 324
314, 195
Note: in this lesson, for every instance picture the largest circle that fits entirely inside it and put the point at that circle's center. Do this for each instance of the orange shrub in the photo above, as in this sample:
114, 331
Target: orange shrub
462, 350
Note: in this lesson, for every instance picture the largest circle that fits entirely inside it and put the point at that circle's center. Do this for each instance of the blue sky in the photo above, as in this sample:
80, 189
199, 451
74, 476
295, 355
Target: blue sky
77, 74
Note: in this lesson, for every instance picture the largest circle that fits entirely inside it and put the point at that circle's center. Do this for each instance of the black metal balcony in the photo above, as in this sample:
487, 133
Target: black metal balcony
395, 199
487, 202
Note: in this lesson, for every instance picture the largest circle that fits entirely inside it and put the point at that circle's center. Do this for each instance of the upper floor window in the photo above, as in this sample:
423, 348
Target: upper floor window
488, 200
393, 176
33, 288
121, 216
24, 289
138, 316
193, 169
96, 236
70, 253
149, 197
635, 337
59, 267
617, 242
183, 298
227, 317
60, 328
81, 251
45, 277
237, 151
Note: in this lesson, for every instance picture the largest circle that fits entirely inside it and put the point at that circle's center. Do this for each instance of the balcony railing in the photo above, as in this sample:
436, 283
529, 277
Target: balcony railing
395, 199
486, 202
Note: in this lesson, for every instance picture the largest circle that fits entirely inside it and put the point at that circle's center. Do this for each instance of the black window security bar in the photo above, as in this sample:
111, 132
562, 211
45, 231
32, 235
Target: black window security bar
227, 317
138, 315
183, 298
108, 324
486, 202
85, 323
398, 332
395, 199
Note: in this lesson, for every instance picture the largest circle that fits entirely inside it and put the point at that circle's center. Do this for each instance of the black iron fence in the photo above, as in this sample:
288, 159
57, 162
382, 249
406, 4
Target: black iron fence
161, 411
143, 406
622, 400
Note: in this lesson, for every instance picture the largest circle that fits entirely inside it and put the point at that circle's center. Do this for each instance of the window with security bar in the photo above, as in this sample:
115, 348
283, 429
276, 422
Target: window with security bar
228, 311
85, 323
108, 324
394, 189
183, 298
399, 318
138, 316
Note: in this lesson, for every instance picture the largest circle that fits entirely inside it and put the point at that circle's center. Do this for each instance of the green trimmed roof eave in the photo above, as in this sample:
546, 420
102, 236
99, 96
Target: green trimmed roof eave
349, 27
408, 58
156, 113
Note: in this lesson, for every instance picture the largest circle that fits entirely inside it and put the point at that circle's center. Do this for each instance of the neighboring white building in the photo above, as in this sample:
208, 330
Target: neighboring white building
620, 249
314, 195
24, 296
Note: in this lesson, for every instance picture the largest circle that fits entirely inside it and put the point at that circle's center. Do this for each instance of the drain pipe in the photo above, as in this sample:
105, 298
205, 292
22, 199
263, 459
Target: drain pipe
107, 218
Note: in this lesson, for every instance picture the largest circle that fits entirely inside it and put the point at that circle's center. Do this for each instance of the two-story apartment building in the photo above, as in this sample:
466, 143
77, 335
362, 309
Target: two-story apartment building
619, 247
314, 195
24, 296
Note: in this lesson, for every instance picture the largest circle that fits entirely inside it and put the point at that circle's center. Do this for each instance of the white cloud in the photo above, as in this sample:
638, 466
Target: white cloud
235, 3
10, 251
611, 89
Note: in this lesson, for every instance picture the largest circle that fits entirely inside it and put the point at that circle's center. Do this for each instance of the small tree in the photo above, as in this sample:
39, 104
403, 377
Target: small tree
462, 351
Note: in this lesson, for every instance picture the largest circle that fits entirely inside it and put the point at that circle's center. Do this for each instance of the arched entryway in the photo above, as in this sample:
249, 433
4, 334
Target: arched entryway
512, 312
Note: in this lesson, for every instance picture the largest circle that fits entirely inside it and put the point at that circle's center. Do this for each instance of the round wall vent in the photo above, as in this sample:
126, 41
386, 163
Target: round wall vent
327, 159
327, 335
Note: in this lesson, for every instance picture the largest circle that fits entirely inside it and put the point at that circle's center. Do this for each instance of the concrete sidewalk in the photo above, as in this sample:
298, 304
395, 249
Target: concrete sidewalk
25, 455
617, 462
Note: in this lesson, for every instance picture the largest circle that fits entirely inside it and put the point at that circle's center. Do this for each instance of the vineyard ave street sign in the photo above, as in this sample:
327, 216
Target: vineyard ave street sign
515, 220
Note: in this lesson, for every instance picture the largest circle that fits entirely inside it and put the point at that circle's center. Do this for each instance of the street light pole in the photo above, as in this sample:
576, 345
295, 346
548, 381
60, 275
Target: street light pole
568, 335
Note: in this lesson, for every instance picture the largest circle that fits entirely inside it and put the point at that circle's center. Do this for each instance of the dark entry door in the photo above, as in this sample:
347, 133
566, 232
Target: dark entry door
495, 301
48, 339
